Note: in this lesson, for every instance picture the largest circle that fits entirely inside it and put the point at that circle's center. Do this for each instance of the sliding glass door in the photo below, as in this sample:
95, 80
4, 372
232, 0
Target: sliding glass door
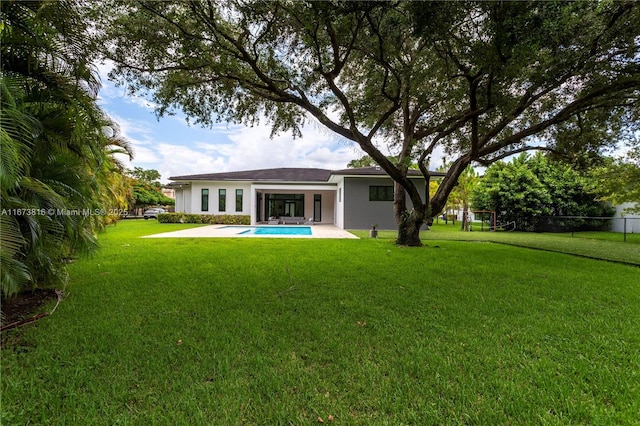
290, 205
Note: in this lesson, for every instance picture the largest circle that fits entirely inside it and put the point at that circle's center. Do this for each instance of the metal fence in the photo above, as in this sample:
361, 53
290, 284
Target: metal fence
581, 224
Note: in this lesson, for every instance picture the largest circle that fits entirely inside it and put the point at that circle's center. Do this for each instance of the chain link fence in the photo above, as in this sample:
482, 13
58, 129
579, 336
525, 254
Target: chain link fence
590, 226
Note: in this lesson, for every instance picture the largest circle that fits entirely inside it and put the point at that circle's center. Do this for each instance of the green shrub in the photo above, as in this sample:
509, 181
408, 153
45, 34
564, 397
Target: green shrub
228, 219
171, 217
192, 218
204, 218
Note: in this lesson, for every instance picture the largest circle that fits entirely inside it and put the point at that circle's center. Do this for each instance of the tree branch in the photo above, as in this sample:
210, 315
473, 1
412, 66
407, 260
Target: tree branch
449, 125
587, 101
489, 161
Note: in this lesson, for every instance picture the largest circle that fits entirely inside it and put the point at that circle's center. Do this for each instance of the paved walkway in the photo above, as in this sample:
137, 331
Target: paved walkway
228, 231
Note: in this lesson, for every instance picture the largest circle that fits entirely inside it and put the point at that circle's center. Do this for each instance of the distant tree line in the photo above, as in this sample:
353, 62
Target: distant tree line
146, 189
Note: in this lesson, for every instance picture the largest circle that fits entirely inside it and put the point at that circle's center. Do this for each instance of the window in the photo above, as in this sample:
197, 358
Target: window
238, 200
317, 207
204, 200
381, 193
222, 200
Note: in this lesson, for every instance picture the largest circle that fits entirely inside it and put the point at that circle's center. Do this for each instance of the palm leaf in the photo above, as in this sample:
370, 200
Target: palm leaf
54, 153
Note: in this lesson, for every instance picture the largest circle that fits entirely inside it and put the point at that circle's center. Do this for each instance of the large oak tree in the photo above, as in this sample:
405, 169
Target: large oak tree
484, 80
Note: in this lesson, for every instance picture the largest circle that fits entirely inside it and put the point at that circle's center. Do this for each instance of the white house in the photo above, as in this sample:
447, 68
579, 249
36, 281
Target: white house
632, 222
349, 198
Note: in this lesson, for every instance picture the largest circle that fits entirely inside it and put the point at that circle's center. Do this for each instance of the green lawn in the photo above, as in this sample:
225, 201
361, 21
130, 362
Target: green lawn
274, 331
599, 245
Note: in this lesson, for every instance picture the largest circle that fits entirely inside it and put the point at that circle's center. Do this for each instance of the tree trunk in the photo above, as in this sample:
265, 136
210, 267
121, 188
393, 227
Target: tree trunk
465, 214
409, 222
409, 231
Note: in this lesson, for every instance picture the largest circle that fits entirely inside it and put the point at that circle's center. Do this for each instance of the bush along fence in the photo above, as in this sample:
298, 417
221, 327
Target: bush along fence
210, 219
573, 224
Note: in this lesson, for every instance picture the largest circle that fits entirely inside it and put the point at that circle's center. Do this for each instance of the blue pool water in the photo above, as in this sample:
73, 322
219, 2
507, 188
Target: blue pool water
277, 230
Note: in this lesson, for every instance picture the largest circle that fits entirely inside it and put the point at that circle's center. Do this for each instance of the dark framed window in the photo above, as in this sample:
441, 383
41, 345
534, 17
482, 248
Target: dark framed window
317, 207
238, 200
222, 200
204, 200
381, 193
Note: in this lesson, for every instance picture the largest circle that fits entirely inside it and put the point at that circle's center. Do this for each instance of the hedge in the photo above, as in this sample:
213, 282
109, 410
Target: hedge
225, 219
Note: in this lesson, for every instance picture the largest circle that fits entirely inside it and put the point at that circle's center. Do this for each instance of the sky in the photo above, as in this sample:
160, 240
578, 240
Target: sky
175, 148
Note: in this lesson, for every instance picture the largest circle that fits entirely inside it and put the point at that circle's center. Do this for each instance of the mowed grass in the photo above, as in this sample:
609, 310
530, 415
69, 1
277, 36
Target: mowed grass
273, 331
598, 245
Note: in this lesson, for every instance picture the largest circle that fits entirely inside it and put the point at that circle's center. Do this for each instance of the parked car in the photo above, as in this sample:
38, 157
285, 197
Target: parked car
153, 213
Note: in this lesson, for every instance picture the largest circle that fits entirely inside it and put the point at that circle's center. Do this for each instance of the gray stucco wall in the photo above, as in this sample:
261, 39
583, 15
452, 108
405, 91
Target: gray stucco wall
360, 213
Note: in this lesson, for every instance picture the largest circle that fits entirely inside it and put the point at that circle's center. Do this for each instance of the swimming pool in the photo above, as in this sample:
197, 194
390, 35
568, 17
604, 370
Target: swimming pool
274, 230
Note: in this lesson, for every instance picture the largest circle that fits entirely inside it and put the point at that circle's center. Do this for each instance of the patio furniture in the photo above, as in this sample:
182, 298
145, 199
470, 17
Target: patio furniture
291, 220
273, 221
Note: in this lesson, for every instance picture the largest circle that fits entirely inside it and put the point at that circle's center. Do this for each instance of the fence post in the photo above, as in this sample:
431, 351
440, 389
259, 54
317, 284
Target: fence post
625, 229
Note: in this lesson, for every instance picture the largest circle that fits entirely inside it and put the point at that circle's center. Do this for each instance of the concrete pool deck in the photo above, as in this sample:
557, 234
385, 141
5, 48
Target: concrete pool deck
233, 231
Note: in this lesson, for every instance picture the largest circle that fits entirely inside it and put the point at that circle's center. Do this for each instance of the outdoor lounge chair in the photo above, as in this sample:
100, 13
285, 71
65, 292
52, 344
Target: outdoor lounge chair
291, 220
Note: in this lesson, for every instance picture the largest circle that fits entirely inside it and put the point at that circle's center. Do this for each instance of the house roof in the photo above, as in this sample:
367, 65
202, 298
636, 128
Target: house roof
281, 174
292, 174
377, 171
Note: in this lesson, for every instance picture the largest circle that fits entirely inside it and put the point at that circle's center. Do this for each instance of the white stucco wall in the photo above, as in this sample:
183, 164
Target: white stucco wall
214, 206
632, 222
179, 207
183, 200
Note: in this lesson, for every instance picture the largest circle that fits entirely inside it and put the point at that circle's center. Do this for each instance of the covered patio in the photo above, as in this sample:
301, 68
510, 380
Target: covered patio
308, 202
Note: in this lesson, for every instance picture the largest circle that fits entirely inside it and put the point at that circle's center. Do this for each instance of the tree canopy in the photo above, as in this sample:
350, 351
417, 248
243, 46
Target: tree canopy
618, 181
146, 189
364, 161
150, 176
145, 194
461, 194
530, 189
482, 80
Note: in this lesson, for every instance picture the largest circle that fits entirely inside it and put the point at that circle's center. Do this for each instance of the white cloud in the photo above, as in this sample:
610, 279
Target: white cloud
173, 160
252, 149
249, 148
174, 148
143, 102
140, 136
239, 148
130, 128
104, 68
109, 92
181, 160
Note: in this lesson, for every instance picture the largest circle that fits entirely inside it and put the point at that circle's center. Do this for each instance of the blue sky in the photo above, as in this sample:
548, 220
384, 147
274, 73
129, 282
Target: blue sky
174, 148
